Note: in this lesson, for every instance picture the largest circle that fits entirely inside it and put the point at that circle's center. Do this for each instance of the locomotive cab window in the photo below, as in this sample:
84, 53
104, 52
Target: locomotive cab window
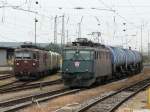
86, 55
37, 55
68, 54
26, 55
23, 55
18, 55
96, 55
78, 54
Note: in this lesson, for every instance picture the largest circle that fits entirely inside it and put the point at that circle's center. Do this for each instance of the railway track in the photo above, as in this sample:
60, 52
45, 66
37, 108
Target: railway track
6, 76
16, 104
15, 82
11, 86
109, 102
28, 85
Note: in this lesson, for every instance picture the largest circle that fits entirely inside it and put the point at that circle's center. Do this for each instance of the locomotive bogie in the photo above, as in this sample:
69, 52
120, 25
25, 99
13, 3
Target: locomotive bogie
79, 79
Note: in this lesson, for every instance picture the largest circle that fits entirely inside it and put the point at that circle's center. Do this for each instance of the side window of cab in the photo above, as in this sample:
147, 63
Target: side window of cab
34, 56
37, 56
95, 55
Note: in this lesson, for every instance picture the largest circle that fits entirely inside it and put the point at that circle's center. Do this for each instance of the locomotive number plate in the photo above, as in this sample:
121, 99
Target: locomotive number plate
77, 64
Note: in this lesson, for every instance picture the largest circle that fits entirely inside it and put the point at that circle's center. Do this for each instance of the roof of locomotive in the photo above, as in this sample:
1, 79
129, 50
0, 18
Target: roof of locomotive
84, 43
100, 48
35, 50
28, 49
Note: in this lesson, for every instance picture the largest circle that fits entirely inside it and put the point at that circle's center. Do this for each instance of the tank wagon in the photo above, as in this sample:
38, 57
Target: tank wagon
85, 63
32, 62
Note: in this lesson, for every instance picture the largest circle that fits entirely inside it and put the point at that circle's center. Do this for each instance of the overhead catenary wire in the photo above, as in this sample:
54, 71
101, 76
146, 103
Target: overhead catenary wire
122, 17
117, 13
24, 9
18, 7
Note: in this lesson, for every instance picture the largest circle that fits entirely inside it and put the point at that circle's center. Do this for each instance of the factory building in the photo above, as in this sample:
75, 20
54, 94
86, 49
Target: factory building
6, 56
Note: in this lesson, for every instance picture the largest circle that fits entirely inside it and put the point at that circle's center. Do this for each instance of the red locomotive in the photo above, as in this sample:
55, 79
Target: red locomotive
32, 62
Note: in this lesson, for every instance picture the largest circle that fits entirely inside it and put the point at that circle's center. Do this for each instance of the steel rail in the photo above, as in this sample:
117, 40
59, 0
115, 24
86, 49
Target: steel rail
8, 84
132, 90
16, 104
11, 86
27, 85
6, 76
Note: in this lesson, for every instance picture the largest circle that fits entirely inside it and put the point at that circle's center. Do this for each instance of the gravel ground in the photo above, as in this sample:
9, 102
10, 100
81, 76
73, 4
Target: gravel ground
49, 78
12, 95
6, 81
4, 74
6, 69
80, 97
137, 104
32, 91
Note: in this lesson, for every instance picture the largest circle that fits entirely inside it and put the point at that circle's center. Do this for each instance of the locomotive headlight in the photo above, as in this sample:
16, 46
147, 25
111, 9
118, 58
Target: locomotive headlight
17, 64
34, 64
66, 69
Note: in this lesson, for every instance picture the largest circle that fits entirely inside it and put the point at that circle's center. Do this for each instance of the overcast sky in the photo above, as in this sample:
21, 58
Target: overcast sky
17, 25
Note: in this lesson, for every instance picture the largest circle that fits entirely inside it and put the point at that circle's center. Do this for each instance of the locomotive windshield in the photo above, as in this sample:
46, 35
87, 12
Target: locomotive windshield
23, 55
78, 54
69, 54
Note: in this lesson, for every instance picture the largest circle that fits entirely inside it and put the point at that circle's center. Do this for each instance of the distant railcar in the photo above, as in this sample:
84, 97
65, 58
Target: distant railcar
32, 62
85, 63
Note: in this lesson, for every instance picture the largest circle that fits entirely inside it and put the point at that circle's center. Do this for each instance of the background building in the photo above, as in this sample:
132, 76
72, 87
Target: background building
6, 56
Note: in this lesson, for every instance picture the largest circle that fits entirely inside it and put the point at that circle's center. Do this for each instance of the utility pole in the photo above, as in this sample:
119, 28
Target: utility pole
141, 38
148, 45
124, 30
98, 35
35, 21
148, 36
55, 30
99, 32
67, 36
62, 33
79, 28
114, 30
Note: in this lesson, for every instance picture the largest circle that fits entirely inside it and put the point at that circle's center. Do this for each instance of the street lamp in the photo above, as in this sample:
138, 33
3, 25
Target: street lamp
35, 21
124, 30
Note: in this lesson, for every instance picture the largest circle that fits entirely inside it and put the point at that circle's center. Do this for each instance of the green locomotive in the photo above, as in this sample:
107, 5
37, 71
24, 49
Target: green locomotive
81, 66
